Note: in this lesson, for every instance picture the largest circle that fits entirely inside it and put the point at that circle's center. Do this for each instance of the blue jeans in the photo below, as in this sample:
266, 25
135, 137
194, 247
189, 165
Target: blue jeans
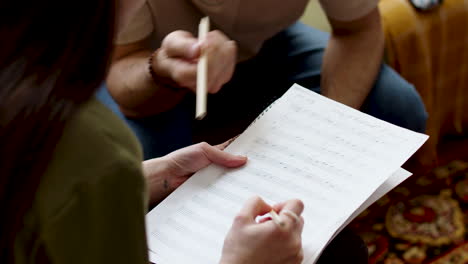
292, 56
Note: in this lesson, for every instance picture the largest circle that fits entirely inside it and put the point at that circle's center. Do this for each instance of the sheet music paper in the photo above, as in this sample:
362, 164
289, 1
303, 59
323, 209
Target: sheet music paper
395, 179
305, 146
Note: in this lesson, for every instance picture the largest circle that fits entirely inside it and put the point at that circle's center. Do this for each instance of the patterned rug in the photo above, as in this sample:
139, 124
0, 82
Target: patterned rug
424, 220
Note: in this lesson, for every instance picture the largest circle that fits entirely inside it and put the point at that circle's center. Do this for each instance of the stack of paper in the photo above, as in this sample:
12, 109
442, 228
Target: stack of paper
336, 159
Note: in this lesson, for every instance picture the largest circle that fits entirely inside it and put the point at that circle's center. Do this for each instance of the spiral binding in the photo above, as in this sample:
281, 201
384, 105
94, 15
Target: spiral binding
270, 105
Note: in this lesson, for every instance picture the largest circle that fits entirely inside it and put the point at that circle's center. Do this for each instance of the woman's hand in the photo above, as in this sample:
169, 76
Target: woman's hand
167, 173
249, 242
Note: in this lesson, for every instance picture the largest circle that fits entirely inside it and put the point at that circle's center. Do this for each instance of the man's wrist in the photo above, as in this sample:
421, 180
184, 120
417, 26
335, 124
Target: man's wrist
160, 81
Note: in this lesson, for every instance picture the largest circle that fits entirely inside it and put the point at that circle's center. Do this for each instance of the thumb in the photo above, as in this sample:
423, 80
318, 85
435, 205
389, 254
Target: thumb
219, 157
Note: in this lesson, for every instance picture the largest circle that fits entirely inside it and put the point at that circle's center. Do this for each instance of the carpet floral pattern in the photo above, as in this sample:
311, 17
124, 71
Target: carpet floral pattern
424, 220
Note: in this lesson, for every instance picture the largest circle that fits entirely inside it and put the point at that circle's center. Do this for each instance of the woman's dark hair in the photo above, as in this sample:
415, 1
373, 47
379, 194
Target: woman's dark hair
53, 57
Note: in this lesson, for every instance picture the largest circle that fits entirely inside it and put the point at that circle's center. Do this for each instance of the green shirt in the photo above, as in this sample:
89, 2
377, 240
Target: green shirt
90, 206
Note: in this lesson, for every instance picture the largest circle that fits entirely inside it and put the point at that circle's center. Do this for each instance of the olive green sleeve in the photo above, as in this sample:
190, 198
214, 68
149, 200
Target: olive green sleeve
104, 222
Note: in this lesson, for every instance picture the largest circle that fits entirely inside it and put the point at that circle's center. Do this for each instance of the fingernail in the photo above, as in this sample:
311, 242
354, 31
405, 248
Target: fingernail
241, 157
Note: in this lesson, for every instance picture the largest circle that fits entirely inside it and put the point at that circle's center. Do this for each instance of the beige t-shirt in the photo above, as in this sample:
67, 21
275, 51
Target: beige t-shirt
248, 22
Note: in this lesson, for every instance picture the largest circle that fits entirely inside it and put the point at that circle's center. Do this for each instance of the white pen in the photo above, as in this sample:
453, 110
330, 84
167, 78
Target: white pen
276, 219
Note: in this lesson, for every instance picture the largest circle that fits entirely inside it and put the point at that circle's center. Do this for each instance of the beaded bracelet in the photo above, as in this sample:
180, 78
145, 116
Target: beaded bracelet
166, 82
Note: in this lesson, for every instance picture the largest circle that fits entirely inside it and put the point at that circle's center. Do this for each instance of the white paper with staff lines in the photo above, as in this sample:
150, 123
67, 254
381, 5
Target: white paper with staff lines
304, 146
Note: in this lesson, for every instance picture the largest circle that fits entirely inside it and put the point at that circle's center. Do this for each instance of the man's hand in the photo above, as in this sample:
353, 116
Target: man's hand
167, 173
177, 59
249, 242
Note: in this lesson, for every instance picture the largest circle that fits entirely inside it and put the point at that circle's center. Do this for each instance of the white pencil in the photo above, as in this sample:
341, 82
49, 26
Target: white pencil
202, 71
276, 219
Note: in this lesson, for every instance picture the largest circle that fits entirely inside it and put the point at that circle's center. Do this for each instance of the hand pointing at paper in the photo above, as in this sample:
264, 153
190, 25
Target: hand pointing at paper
180, 50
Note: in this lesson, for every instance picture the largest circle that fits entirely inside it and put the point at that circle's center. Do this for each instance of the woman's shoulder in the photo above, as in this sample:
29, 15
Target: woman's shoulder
96, 152
92, 186
94, 138
97, 127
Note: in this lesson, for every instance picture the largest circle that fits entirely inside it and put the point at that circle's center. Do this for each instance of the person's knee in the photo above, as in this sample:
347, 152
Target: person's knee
396, 101
418, 111
412, 109
307, 37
